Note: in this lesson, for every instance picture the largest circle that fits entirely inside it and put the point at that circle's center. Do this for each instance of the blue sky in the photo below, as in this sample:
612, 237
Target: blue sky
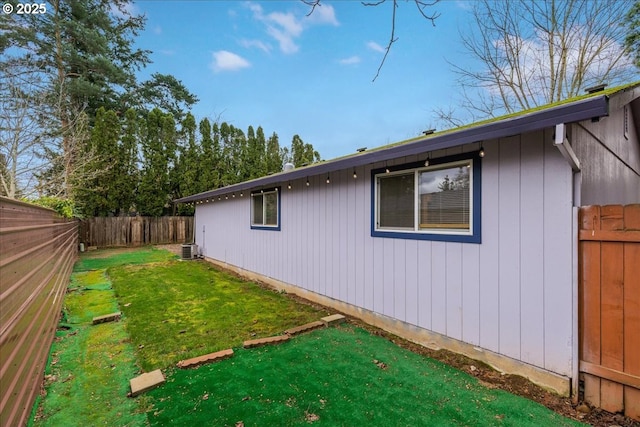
268, 64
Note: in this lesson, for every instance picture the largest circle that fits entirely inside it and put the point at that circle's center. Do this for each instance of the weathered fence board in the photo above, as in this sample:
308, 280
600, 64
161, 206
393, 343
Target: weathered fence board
105, 232
609, 308
37, 251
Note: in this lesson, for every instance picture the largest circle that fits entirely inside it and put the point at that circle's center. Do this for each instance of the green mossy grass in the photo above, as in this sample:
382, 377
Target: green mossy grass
341, 376
89, 367
177, 310
173, 310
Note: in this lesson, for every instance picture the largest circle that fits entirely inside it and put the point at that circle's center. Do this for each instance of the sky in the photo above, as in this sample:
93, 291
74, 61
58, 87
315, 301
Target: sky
266, 63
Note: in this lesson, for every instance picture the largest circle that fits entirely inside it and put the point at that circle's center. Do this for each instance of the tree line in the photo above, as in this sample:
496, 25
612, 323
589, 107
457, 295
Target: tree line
82, 134
146, 162
77, 126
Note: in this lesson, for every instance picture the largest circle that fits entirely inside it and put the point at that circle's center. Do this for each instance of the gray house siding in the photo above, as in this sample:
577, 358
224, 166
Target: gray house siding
610, 160
511, 294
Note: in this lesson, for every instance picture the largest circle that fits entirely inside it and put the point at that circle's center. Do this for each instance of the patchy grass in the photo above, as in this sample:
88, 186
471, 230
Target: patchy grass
177, 310
174, 310
88, 372
337, 377
106, 258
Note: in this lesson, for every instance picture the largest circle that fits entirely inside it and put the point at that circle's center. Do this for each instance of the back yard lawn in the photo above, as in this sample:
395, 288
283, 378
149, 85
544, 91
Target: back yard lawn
174, 310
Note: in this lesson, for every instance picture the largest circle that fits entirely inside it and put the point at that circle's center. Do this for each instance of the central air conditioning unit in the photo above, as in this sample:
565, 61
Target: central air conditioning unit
190, 251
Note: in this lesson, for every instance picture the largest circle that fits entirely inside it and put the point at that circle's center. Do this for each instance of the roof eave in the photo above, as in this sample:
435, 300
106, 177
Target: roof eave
589, 108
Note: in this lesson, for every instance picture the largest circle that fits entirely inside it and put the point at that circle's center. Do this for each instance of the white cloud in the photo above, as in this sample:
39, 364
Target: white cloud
286, 21
375, 47
255, 8
350, 60
323, 14
255, 43
224, 60
284, 39
286, 27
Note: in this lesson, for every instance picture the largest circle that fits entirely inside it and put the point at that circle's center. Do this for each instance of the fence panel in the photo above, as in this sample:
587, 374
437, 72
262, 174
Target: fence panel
106, 232
609, 308
37, 252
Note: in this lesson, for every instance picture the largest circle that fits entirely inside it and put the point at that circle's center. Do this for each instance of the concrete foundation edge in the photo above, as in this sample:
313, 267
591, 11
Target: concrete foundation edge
550, 381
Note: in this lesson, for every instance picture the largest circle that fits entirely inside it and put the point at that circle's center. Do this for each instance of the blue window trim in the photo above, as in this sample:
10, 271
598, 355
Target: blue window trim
476, 237
265, 227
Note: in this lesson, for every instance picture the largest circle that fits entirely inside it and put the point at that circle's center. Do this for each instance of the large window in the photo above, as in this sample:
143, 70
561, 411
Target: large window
265, 209
436, 202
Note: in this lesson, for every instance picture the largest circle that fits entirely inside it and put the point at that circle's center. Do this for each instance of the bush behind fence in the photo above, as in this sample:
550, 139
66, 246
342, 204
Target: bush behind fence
104, 232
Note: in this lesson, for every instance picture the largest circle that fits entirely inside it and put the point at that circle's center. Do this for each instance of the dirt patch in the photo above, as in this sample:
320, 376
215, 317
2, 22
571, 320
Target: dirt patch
174, 248
107, 252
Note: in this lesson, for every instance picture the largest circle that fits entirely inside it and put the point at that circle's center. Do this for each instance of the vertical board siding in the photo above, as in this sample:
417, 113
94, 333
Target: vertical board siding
439, 287
609, 314
532, 252
509, 247
489, 249
412, 283
504, 295
425, 291
557, 267
37, 251
470, 294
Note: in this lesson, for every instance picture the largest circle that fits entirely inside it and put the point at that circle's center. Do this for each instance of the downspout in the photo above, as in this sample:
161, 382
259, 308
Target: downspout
562, 143
560, 140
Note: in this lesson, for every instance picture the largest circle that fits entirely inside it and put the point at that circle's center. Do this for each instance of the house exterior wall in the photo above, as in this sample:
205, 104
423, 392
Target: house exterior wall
511, 294
609, 157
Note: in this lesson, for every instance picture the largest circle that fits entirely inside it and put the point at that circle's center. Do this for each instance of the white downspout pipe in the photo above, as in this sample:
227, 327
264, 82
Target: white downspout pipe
562, 143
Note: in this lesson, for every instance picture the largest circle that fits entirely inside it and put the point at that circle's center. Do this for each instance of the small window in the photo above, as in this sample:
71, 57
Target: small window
265, 209
436, 202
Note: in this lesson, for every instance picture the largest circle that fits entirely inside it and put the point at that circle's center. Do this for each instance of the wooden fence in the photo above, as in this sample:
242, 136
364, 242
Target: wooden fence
37, 252
106, 232
609, 307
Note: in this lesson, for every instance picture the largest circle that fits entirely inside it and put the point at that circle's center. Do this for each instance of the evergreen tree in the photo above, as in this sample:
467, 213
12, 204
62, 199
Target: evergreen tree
154, 187
632, 39
96, 197
234, 149
127, 178
188, 163
254, 162
274, 155
301, 153
261, 147
84, 54
208, 163
166, 92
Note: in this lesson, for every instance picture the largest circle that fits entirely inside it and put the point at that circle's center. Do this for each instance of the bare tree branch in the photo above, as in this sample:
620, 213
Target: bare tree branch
313, 4
534, 53
392, 38
420, 4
